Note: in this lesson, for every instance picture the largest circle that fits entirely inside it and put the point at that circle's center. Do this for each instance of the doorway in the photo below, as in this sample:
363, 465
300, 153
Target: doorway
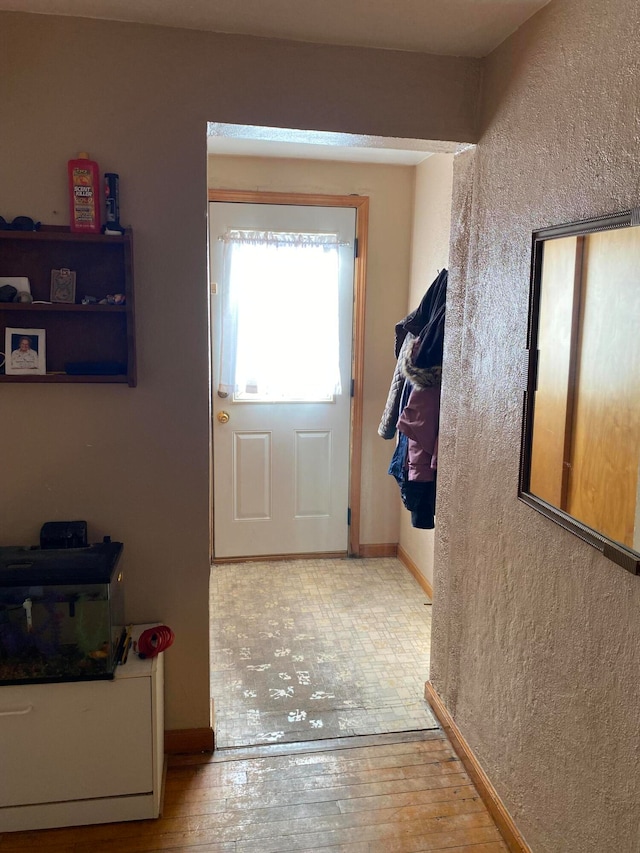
394, 192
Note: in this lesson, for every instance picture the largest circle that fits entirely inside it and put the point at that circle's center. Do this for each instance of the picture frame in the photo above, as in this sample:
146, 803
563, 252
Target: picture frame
63, 285
25, 352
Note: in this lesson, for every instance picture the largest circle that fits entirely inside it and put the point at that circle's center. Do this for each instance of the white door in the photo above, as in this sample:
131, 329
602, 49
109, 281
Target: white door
282, 306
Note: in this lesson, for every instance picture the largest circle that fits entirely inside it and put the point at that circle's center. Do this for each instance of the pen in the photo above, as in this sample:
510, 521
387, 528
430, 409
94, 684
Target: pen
124, 645
127, 646
120, 647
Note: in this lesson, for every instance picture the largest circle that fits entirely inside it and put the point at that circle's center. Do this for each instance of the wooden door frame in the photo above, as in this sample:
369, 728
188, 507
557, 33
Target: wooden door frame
361, 206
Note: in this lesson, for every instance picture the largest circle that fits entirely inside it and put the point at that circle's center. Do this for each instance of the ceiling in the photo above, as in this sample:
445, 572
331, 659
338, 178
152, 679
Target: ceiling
449, 27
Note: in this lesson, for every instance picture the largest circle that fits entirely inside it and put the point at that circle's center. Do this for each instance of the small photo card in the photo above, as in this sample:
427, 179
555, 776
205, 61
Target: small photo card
63, 285
25, 352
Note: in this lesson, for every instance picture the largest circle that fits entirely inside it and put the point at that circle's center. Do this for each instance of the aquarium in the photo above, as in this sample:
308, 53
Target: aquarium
61, 613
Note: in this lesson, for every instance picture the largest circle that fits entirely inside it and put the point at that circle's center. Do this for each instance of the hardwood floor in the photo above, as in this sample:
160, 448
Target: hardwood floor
399, 793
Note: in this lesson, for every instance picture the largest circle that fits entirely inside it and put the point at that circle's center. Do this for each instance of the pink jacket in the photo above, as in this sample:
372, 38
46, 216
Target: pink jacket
419, 422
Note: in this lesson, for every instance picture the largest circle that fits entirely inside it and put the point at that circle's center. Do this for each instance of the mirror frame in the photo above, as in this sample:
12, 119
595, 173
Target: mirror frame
623, 556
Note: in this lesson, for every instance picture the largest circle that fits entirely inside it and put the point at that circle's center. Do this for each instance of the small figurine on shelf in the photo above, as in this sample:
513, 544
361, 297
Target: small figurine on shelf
114, 299
89, 300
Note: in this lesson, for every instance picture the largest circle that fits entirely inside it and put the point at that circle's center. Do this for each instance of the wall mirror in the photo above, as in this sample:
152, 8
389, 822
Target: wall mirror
581, 427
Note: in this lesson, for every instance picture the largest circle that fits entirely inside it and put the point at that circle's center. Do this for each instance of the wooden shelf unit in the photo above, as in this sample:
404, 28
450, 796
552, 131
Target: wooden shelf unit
105, 333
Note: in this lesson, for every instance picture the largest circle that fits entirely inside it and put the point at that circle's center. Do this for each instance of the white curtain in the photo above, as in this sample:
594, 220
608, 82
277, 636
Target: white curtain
279, 338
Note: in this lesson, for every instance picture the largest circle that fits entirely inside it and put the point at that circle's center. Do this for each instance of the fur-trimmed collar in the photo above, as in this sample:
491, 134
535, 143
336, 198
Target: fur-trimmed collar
422, 377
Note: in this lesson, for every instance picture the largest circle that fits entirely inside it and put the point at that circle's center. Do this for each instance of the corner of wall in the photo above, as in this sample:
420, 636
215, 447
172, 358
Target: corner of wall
444, 659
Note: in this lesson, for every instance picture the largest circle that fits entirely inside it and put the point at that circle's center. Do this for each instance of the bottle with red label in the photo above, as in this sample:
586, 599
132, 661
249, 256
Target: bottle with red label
84, 194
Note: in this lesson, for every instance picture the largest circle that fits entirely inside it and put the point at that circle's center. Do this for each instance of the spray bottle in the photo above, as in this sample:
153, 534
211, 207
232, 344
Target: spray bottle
84, 194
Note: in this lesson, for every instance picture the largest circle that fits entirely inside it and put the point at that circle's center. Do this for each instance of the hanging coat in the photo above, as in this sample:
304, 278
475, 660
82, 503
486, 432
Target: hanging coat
387, 428
415, 461
407, 330
419, 422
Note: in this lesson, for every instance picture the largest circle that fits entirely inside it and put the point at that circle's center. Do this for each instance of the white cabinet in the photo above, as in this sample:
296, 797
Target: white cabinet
83, 752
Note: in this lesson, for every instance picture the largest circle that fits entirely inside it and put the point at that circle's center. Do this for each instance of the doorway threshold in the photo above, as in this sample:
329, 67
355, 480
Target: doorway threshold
239, 753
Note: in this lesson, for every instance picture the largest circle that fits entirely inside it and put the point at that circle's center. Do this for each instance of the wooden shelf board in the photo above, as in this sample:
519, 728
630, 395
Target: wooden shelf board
65, 377
61, 306
60, 235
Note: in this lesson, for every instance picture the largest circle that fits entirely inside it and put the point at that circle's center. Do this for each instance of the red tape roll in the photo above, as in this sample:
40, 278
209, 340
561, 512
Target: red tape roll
152, 641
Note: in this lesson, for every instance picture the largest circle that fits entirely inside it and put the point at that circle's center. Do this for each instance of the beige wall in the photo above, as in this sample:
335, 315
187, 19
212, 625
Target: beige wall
135, 462
429, 254
536, 641
390, 190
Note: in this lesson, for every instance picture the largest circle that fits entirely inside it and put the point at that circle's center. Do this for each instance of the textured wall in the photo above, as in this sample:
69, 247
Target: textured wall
390, 190
429, 253
536, 642
135, 462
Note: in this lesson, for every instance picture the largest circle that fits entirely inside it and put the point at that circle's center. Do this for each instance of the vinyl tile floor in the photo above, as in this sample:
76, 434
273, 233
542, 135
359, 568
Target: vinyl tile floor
310, 649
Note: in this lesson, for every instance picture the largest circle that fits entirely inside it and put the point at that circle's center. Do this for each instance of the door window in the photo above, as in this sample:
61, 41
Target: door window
280, 320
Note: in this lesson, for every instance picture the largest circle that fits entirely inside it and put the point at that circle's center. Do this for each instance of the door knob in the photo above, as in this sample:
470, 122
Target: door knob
223, 417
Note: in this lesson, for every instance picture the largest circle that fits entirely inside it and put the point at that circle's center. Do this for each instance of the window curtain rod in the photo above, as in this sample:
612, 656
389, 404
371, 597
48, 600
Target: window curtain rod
279, 238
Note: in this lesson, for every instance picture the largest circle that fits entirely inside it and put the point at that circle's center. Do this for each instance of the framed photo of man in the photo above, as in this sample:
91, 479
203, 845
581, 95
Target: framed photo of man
25, 352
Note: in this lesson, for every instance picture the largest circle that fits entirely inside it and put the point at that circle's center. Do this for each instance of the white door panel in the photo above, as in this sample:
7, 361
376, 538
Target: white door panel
251, 475
281, 469
313, 460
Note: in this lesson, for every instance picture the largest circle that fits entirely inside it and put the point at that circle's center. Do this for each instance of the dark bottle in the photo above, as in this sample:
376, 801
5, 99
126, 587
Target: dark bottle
112, 201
